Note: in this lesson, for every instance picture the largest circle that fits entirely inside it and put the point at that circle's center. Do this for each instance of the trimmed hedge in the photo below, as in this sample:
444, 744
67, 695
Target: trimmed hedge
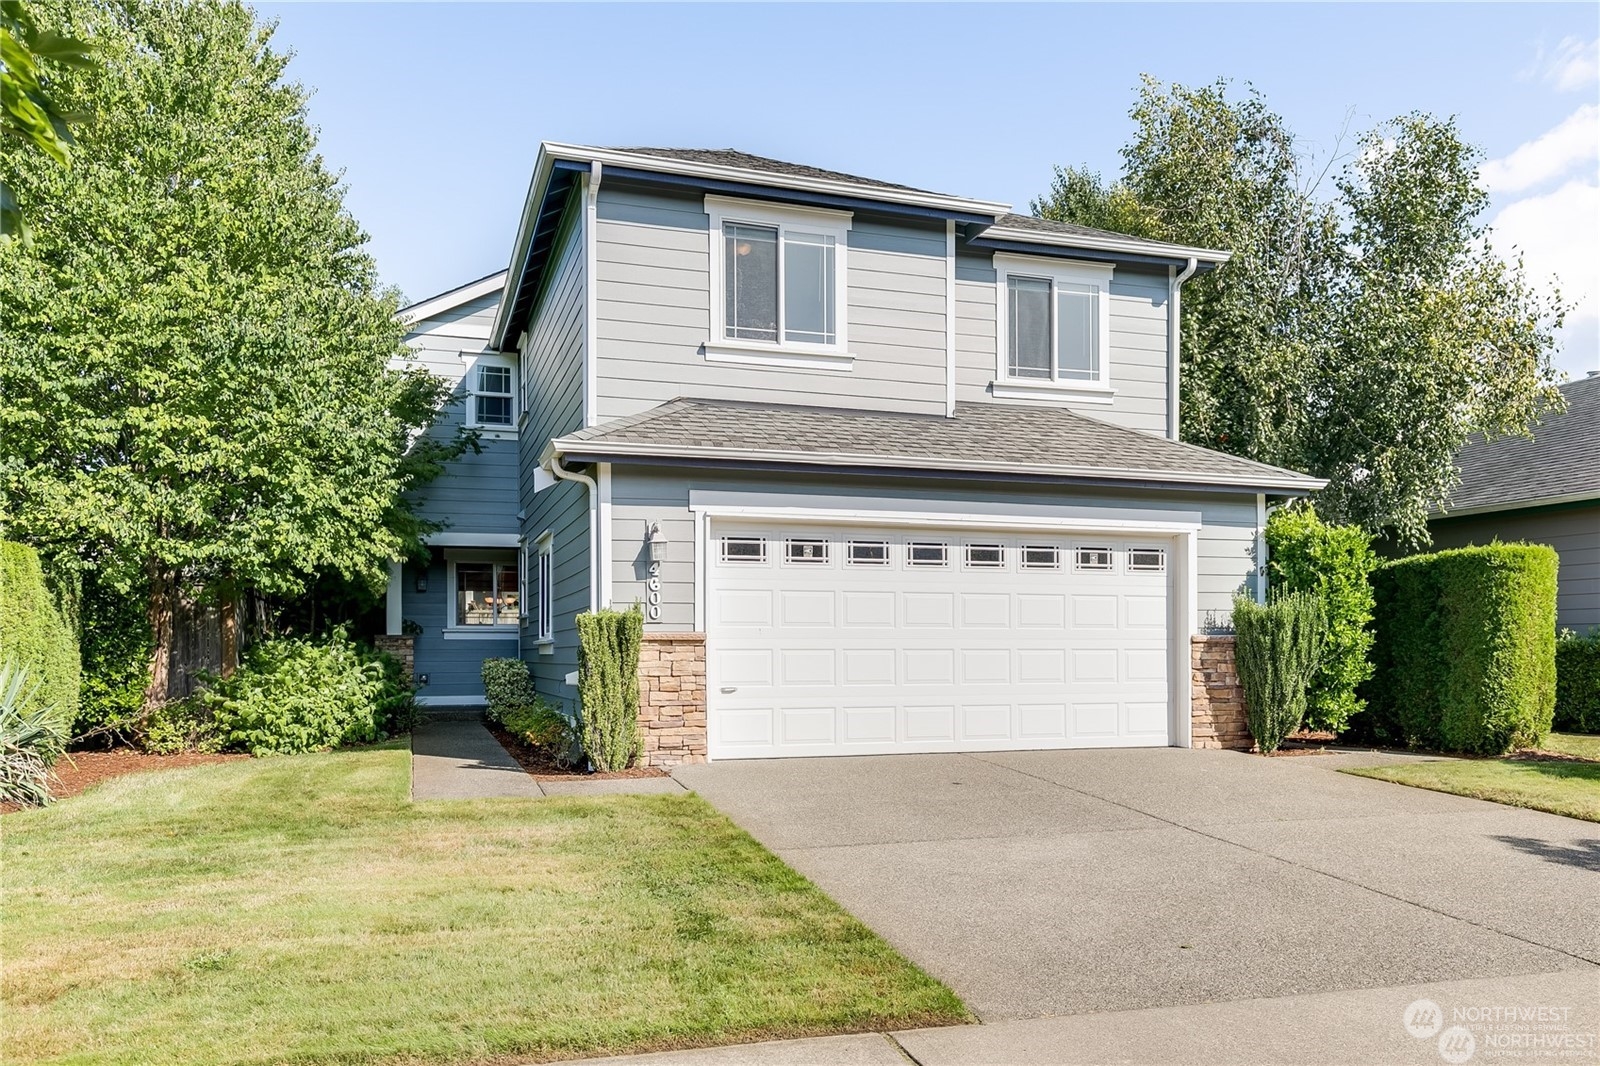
1578, 682
1465, 648
1278, 647
507, 686
36, 634
608, 686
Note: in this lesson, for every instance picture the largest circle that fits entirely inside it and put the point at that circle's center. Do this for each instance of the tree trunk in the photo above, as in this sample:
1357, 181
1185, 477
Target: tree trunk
163, 593
228, 614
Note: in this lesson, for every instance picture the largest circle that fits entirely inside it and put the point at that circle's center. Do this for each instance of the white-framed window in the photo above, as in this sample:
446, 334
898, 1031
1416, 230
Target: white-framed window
1054, 323
985, 556
867, 553
544, 589
1093, 558
927, 553
778, 284
492, 393
1147, 560
805, 551
744, 550
484, 590
1041, 557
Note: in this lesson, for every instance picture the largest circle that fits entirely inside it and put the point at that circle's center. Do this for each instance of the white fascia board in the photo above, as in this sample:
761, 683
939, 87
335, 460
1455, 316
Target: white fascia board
688, 168
1587, 496
946, 520
623, 450
727, 500
1130, 245
449, 301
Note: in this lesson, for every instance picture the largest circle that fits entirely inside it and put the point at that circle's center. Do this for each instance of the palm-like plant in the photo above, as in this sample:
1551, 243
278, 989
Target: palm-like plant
31, 740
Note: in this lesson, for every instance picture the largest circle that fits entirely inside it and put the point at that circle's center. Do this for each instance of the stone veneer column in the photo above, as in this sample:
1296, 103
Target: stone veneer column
402, 648
672, 698
1217, 700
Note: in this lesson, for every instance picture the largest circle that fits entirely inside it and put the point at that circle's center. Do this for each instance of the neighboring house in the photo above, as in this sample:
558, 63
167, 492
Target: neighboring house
887, 470
1545, 490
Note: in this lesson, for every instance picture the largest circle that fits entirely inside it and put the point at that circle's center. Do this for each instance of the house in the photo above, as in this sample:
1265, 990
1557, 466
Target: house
1545, 490
886, 470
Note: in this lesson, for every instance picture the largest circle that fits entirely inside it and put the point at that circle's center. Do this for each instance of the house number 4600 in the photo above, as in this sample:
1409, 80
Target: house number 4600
652, 599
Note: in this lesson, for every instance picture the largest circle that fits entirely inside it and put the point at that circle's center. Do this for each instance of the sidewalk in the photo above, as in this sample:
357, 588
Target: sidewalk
458, 759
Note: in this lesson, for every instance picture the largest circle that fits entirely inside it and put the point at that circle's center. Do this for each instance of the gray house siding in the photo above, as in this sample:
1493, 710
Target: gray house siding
1225, 547
1574, 532
453, 667
552, 379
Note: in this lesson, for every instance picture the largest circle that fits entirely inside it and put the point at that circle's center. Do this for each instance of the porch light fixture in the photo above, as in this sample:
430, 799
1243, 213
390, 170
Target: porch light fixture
657, 542
422, 581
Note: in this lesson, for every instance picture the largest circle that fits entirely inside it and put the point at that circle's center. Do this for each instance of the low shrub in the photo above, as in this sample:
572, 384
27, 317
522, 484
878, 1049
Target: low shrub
1277, 647
32, 737
1465, 649
294, 695
1578, 682
1335, 563
507, 685
542, 726
36, 633
116, 644
608, 686
190, 724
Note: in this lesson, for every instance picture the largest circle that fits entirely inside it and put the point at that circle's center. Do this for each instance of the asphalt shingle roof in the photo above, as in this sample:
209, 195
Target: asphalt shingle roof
989, 436
1045, 225
732, 157
1560, 462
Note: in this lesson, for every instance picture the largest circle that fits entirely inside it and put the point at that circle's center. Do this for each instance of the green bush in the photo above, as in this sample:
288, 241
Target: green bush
608, 685
1336, 563
293, 695
507, 685
116, 646
1277, 647
32, 738
542, 726
36, 634
1465, 648
190, 724
1578, 682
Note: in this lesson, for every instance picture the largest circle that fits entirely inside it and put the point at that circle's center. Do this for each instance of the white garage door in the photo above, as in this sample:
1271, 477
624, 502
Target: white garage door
843, 640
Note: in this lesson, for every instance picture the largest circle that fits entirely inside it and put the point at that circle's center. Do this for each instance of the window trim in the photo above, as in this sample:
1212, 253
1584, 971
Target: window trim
495, 556
792, 355
544, 623
474, 360
1057, 272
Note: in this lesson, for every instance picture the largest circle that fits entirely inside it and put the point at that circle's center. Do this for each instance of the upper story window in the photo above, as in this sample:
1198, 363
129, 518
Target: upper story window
1055, 328
492, 388
778, 285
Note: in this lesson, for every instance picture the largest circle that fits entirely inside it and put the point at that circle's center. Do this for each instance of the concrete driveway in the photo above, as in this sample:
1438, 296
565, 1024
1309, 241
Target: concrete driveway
1070, 882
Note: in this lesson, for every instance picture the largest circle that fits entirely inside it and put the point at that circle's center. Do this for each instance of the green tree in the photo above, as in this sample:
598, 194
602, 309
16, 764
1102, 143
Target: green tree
28, 109
197, 399
1363, 328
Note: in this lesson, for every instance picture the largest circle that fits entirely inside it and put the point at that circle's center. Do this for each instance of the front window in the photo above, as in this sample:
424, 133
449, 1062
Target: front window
1056, 320
493, 403
781, 271
485, 593
544, 602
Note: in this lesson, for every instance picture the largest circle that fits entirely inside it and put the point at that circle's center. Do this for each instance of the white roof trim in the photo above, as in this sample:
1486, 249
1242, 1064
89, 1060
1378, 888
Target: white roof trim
564, 445
1129, 245
447, 301
668, 165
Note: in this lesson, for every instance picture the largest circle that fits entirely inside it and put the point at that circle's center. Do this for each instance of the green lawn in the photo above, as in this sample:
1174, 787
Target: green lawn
1560, 787
304, 910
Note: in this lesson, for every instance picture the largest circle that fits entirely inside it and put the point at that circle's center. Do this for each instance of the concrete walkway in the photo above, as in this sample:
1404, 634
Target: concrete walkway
457, 758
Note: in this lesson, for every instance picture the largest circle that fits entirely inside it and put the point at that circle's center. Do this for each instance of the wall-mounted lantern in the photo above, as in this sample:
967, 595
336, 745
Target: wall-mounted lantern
422, 581
657, 541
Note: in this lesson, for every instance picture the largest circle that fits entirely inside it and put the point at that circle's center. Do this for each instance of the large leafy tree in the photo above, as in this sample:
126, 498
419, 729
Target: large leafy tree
29, 113
1363, 328
197, 398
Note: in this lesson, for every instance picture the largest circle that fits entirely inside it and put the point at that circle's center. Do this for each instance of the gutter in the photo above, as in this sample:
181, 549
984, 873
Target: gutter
561, 473
1174, 338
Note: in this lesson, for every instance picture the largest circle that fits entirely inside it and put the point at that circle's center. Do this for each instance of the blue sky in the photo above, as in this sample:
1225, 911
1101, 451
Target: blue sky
435, 111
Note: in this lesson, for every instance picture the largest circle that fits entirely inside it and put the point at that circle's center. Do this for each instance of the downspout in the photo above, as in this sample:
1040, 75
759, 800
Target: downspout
1174, 334
561, 473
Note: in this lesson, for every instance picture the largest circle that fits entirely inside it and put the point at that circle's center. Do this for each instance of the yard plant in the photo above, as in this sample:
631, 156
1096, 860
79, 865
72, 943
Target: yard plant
507, 686
32, 738
305, 910
1277, 647
1578, 682
608, 686
37, 632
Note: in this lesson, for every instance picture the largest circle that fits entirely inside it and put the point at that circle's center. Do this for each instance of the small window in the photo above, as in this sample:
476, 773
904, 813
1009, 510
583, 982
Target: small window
1041, 557
492, 400
1093, 559
805, 551
867, 553
744, 550
986, 556
1147, 560
485, 593
1055, 321
544, 598
927, 554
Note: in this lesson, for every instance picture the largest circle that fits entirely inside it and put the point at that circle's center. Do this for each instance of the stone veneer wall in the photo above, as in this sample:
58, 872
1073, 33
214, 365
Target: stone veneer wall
1217, 700
402, 648
672, 698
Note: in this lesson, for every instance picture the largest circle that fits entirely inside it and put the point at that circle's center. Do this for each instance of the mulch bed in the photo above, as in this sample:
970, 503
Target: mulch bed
80, 769
541, 764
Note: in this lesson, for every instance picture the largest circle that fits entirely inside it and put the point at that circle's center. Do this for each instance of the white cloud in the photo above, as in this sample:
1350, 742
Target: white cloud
1558, 233
1549, 156
1574, 64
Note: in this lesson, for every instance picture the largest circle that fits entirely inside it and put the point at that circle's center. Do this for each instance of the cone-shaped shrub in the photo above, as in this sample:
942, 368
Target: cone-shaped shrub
608, 686
1277, 650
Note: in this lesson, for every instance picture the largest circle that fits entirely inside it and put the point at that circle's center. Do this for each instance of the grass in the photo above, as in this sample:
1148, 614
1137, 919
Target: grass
304, 910
1557, 786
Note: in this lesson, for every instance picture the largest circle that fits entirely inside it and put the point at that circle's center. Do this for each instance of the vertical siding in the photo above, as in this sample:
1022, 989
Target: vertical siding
1573, 533
1225, 546
654, 314
552, 378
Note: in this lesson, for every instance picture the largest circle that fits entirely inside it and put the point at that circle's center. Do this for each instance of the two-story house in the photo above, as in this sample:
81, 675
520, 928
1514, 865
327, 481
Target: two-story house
887, 470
